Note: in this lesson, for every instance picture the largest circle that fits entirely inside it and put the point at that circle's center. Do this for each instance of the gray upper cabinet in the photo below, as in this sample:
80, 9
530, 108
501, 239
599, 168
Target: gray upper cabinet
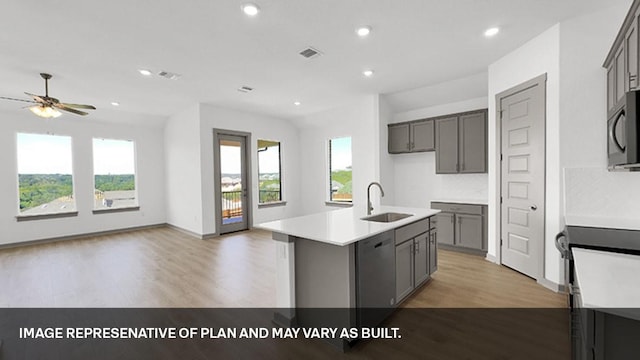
399, 138
414, 136
622, 61
473, 143
422, 136
447, 145
461, 143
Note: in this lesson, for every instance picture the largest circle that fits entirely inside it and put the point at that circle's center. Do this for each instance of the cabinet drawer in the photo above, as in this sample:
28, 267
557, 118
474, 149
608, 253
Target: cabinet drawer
412, 230
459, 208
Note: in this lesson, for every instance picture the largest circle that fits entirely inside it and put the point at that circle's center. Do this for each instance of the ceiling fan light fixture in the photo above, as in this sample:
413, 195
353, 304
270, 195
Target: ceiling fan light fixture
46, 112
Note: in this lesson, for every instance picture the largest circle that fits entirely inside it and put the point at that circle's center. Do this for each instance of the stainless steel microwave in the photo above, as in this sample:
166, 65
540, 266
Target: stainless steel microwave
623, 135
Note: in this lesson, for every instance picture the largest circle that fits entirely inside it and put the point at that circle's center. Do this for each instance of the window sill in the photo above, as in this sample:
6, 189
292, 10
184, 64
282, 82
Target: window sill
272, 204
115, 210
21, 218
339, 203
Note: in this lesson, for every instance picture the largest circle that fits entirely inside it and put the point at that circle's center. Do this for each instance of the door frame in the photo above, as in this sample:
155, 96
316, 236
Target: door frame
541, 81
216, 176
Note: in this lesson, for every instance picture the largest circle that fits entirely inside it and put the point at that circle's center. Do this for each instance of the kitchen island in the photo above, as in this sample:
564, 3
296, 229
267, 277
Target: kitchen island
339, 260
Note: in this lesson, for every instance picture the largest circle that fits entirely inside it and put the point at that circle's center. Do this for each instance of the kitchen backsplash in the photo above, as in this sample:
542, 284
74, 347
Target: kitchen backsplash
596, 192
461, 187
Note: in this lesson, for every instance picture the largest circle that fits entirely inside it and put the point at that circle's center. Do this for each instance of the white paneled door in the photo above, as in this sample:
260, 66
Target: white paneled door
522, 114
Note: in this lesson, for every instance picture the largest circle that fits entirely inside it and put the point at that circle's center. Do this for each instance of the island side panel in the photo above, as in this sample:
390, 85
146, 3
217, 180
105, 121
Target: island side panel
285, 280
325, 275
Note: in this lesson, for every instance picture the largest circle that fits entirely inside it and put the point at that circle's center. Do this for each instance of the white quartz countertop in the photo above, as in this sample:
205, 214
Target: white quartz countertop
608, 281
344, 226
603, 222
463, 201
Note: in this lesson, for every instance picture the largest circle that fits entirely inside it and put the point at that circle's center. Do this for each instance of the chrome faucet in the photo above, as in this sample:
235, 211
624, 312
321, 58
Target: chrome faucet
369, 206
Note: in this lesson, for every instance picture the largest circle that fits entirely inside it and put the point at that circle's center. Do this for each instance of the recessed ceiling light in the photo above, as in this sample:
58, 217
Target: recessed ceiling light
296, 103
250, 9
367, 73
492, 32
115, 103
145, 72
363, 31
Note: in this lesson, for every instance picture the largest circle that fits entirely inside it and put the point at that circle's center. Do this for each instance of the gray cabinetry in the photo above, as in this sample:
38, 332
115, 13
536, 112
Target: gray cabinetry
461, 143
622, 61
462, 226
447, 145
473, 143
416, 257
433, 247
404, 270
399, 138
414, 136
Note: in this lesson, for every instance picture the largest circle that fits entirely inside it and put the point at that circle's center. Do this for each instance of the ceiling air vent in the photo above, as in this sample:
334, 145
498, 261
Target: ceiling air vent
169, 75
245, 89
310, 53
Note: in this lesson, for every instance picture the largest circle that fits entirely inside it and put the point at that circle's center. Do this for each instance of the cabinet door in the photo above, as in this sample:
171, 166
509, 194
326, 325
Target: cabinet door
473, 143
631, 50
447, 145
445, 228
398, 138
611, 89
422, 136
404, 270
421, 258
469, 231
620, 76
433, 251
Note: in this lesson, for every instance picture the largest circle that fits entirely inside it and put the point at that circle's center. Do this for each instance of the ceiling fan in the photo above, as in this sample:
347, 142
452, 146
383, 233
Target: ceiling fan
47, 107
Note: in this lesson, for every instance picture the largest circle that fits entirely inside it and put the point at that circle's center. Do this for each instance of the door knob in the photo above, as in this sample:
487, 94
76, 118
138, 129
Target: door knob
534, 208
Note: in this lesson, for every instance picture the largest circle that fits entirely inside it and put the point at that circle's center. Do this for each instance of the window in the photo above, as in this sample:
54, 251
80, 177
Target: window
114, 174
269, 182
45, 180
340, 170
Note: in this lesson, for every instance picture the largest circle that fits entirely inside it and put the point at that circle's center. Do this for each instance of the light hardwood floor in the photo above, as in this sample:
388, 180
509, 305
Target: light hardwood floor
162, 267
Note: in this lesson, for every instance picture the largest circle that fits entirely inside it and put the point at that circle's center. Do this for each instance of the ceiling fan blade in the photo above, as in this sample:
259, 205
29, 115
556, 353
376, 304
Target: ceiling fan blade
37, 98
68, 109
14, 99
79, 106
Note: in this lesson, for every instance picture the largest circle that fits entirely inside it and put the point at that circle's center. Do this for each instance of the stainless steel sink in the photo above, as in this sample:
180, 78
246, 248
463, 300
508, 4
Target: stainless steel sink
386, 217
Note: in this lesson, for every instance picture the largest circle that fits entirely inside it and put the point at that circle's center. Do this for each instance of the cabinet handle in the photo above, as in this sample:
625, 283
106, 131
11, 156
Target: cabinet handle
417, 248
452, 219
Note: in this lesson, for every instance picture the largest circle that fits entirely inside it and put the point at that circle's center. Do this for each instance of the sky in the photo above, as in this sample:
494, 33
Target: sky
341, 153
51, 154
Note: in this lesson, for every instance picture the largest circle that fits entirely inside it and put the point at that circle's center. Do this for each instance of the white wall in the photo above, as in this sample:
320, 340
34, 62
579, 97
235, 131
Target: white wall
387, 166
358, 120
149, 172
538, 56
260, 127
183, 173
589, 189
416, 183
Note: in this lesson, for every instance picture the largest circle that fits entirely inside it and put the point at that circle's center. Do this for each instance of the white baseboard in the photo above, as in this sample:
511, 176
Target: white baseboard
551, 285
191, 233
491, 258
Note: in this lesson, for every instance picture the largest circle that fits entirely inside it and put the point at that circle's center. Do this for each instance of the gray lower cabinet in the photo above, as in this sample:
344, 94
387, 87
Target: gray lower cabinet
462, 226
404, 270
461, 143
416, 257
433, 250
414, 136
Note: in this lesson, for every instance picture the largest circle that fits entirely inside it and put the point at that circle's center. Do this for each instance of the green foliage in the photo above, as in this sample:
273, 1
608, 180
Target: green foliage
115, 182
38, 189
341, 176
346, 189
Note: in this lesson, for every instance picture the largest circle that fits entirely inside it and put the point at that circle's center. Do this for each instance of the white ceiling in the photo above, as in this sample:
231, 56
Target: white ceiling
94, 48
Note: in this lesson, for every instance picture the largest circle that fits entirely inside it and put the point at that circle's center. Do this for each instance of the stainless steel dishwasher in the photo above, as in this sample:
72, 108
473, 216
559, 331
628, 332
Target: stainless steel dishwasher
375, 278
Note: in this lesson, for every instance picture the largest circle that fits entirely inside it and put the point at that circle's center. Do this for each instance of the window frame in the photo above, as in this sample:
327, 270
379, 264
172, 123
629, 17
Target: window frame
62, 214
282, 200
330, 201
136, 205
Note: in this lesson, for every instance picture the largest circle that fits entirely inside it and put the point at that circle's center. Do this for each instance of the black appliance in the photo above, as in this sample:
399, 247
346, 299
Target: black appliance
596, 334
623, 134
